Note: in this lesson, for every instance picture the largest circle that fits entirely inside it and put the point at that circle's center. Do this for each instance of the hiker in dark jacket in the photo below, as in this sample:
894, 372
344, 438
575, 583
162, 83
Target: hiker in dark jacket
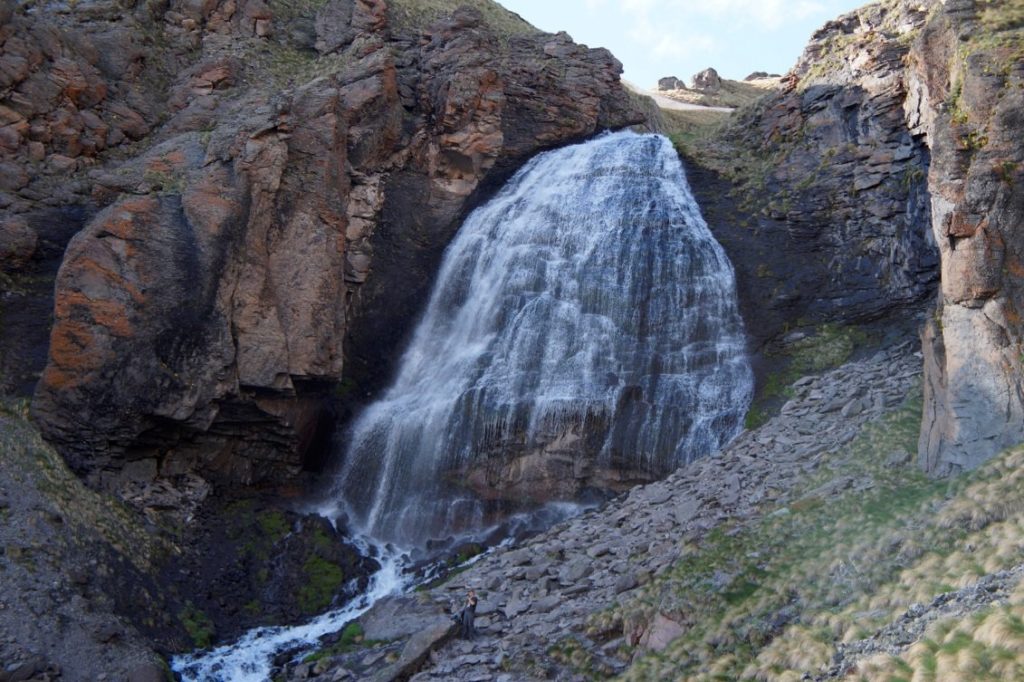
467, 615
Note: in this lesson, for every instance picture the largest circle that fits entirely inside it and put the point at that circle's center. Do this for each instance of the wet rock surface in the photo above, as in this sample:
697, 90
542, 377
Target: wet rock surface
248, 562
534, 596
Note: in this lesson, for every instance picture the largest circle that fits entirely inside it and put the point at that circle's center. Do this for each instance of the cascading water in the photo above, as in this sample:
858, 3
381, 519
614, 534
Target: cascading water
588, 297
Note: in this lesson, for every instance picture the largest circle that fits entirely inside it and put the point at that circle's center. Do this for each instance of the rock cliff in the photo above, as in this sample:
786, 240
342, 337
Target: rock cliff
891, 155
829, 218
301, 170
966, 102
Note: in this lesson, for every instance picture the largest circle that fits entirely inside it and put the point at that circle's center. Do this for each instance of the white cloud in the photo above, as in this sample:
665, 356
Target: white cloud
666, 41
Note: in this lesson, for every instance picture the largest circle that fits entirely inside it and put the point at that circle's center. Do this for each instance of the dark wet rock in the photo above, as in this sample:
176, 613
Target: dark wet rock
249, 563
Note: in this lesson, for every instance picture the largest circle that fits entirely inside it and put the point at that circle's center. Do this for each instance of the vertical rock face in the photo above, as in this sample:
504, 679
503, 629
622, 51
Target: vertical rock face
200, 317
967, 99
895, 151
829, 214
931, 95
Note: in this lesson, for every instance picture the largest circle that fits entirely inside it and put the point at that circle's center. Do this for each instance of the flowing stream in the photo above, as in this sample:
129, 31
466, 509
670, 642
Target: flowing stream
587, 310
250, 658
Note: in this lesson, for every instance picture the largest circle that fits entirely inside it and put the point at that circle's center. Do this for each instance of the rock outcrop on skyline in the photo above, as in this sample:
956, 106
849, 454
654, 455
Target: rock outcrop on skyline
301, 177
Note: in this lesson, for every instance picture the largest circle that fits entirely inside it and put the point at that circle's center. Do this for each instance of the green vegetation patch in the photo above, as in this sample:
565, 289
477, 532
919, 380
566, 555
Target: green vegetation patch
198, 625
352, 638
289, 10
419, 14
323, 580
692, 131
826, 347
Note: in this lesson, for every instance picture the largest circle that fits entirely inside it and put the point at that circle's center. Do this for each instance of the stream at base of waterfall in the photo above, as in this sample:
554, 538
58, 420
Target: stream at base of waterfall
584, 314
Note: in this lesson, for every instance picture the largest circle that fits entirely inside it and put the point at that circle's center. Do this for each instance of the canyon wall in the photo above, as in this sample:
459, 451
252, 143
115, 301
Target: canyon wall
967, 100
892, 155
300, 173
819, 192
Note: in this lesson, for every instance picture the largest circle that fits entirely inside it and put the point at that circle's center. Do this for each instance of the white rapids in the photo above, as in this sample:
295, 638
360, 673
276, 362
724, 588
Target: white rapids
250, 658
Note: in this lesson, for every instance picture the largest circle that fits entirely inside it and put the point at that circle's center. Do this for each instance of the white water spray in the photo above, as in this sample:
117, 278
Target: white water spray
587, 302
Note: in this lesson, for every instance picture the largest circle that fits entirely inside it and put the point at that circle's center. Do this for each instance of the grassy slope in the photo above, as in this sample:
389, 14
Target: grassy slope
731, 94
417, 14
33, 465
773, 599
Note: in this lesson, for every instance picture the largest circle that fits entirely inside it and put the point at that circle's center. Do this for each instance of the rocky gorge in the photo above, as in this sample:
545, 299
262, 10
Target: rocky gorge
248, 203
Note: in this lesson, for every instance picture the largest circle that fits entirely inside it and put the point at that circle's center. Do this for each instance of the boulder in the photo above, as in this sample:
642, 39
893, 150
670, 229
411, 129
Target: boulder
660, 633
707, 80
398, 617
416, 651
671, 83
17, 243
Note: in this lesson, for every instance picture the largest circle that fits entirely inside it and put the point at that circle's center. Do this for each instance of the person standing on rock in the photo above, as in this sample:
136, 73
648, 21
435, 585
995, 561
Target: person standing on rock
467, 615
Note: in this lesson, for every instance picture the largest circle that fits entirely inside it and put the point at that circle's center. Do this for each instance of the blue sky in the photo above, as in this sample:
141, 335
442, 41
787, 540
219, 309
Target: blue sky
655, 38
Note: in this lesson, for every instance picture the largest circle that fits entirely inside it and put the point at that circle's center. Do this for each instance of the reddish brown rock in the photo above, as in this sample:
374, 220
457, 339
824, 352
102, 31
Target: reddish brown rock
200, 319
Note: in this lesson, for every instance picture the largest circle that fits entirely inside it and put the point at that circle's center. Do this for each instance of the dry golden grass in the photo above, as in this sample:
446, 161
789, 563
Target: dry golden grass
988, 645
731, 94
801, 650
850, 567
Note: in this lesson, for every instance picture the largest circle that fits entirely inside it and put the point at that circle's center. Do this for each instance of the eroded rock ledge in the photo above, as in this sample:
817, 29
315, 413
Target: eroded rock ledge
201, 316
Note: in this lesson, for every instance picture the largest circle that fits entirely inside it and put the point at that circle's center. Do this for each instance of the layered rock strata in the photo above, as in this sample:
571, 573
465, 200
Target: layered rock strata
290, 210
828, 217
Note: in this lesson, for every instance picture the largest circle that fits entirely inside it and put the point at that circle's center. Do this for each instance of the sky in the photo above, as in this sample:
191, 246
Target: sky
656, 38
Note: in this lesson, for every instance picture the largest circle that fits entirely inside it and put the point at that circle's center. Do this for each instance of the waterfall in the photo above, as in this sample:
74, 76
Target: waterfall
586, 309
